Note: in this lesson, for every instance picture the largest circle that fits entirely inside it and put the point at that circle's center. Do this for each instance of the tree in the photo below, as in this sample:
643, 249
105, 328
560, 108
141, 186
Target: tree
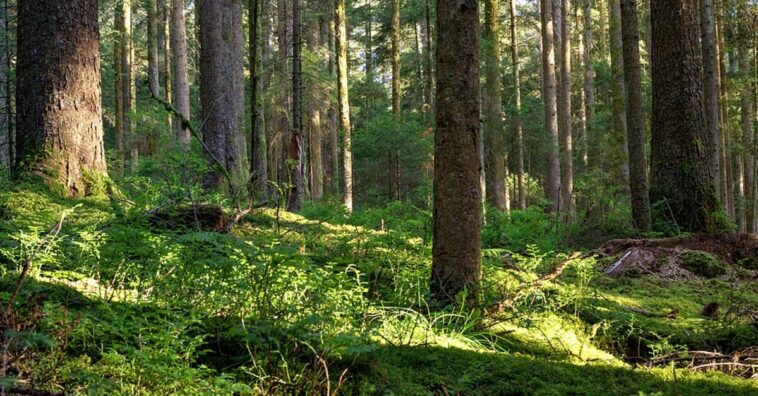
6, 140
315, 100
152, 47
618, 90
710, 85
494, 138
295, 164
456, 261
680, 160
747, 116
340, 35
258, 149
179, 62
59, 112
565, 128
553, 182
635, 127
222, 90
396, 56
517, 121
588, 79
728, 192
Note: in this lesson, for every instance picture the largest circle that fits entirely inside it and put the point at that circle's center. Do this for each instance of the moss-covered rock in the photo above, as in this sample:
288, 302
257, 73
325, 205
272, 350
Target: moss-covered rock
703, 264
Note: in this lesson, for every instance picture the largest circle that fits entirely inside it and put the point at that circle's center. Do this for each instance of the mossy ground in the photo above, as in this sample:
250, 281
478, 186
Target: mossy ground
115, 306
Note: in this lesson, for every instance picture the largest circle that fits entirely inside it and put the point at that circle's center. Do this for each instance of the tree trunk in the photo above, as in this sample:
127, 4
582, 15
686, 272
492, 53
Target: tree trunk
635, 124
258, 154
565, 125
297, 191
618, 93
456, 262
395, 56
118, 78
727, 180
128, 90
517, 121
494, 137
428, 60
340, 35
589, 79
710, 85
553, 182
164, 48
59, 112
746, 119
5, 98
152, 47
180, 74
222, 90
681, 172
314, 117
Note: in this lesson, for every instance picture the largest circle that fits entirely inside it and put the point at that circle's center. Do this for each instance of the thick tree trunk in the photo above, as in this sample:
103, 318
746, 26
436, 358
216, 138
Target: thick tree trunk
517, 121
258, 154
553, 182
295, 157
681, 172
456, 263
59, 111
340, 35
5, 98
494, 136
315, 100
181, 78
710, 85
565, 126
589, 79
635, 125
222, 90
618, 92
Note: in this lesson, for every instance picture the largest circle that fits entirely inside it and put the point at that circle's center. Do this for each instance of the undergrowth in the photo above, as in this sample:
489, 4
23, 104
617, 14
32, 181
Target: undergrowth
328, 302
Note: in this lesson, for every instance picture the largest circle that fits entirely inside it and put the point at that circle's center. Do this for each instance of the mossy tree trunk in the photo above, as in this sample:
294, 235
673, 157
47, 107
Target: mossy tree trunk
340, 36
553, 181
59, 105
682, 179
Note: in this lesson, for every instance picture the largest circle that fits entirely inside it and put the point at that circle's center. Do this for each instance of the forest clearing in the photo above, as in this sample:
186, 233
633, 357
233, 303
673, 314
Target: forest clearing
378, 197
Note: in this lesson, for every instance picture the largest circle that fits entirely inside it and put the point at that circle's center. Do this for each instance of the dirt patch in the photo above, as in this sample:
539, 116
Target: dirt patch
203, 217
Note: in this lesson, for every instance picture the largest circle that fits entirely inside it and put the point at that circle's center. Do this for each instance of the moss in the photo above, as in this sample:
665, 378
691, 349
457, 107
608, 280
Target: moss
703, 264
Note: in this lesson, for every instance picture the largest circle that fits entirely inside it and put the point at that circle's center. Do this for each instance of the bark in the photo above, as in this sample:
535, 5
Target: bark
494, 136
553, 182
181, 78
517, 120
164, 48
456, 263
222, 90
369, 43
5, 98
258, 154
428, 60
340, 35
746, 122
297, 190
129, 88
681, 175
638, 184
59, 112
118, 67
329, 123
588, 78
618, 93
727, 178
395, 56
564, 115
152, 47
314, 119
710, 86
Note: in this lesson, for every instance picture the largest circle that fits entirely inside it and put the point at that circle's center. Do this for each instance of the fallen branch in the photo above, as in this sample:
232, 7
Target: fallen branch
537, 283
32, 392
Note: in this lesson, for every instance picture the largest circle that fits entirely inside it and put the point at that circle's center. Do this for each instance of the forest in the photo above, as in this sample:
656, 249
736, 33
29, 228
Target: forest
378, 197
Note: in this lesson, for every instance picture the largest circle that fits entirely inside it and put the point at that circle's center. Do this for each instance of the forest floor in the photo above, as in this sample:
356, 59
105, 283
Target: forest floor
113, 302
